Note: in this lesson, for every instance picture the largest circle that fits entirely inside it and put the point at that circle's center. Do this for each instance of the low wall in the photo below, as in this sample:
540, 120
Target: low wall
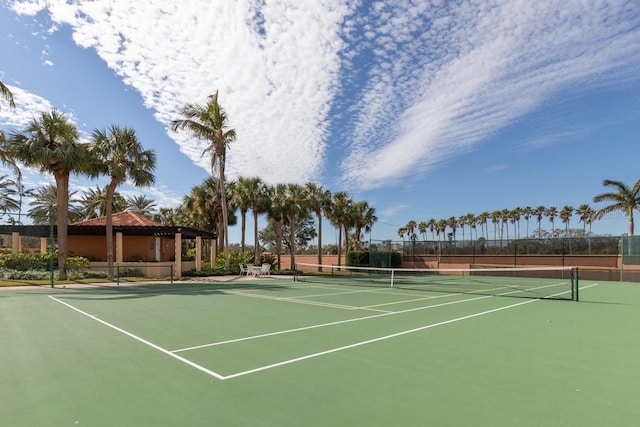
155, 269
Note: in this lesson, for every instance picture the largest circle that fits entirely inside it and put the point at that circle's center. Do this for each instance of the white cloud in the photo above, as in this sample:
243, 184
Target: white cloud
416, 82
274, 64
491, 65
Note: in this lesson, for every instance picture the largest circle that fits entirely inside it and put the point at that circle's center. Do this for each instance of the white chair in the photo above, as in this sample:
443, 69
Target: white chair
243, 270
251, 270
265, 269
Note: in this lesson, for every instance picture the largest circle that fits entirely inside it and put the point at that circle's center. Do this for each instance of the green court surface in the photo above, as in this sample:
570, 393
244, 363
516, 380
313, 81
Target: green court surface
275, 352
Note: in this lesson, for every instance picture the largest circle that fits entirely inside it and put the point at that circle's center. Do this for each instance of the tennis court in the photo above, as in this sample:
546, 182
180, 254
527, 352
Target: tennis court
279, 352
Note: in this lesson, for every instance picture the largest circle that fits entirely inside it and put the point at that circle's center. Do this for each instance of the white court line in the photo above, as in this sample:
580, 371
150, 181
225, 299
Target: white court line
386, 337
309, 356
324, 325
142, 340
398, 334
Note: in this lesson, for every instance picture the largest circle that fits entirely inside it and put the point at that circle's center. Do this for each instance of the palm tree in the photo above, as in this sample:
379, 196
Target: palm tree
514, 218
410, 229
482, 220
586, 214
241, 195
250, 193
44, 203
432, 224
51, 143
118, 154
527, 213
364, 218
318, 199
565, 216
625, 199
296, 207
6, 94
209, 122
165, 216
142, 205
539, 212
93, 203
8, 191
551, 213
423, 226
495, 220
276, 210
337, 214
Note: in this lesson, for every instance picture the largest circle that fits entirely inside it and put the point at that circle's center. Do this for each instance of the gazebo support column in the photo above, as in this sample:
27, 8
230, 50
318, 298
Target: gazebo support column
119, 248
198, 253
16, 243
178, 257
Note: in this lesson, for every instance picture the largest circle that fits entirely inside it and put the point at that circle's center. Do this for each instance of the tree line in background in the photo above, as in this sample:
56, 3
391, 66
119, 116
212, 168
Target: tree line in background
50, 142
623, 198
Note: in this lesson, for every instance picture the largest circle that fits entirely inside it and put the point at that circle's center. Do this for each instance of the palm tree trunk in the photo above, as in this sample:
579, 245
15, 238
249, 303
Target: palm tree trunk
256, 250
292, 240
319, 239
62, 221
225, 218
278, 227
111, 189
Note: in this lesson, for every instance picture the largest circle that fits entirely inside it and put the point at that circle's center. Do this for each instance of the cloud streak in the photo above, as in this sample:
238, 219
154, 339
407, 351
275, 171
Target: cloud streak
390, 89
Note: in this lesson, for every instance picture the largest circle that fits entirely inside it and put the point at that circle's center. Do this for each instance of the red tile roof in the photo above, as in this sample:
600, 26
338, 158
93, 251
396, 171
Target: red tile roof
122, 218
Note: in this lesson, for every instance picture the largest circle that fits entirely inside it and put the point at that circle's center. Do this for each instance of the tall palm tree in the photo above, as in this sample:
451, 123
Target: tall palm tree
495, 220
364, 218
337, 214
50, 143
250, 193
423, 226
118, 154
539, 212
277, 206
527, 213
586, 215
432, 224
514, 218
142, 205
296, 207
471, 220
319, 200
482, 220
209, 122
625, 199
565, 215
551, 213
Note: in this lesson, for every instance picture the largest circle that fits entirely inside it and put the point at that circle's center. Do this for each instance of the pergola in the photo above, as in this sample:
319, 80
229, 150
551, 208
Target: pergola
176, 233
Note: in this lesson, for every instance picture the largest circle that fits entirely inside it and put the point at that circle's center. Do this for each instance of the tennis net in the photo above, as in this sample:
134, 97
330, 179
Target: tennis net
525, 282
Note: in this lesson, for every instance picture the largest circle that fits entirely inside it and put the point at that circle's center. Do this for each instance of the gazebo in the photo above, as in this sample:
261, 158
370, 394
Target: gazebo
136, 239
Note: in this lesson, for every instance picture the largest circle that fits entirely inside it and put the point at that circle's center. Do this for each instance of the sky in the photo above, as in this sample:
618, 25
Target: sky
424, 108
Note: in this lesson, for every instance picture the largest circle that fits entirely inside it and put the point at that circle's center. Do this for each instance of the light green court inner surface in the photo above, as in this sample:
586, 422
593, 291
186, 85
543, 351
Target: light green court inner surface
274, 352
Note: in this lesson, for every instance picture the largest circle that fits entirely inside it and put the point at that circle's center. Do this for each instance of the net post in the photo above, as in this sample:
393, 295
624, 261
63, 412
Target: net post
575, 284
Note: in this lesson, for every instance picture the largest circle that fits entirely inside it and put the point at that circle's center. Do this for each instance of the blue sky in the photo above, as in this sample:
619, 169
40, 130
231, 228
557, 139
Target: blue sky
426, 109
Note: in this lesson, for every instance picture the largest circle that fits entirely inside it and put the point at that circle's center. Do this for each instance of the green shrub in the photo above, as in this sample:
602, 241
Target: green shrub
358, 258
25, 262
235, 258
